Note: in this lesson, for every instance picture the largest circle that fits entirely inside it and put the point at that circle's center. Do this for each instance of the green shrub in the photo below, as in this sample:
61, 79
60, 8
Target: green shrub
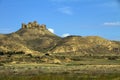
112, 58
1, 64
1, 53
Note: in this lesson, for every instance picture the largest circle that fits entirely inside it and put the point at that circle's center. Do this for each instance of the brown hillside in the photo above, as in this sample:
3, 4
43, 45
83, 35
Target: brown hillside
33, 37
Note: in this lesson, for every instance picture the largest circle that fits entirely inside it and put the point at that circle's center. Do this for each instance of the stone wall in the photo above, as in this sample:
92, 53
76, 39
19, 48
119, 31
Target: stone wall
33, 25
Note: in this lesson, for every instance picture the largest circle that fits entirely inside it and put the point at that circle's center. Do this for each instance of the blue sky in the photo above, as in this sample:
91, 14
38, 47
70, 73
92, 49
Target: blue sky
65, 17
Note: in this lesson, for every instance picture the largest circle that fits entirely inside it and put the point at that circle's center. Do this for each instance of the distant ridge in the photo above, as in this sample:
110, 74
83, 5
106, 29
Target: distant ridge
35, 38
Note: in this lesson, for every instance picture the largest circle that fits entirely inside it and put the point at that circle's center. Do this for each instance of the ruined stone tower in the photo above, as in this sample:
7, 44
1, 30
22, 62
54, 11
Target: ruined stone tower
34, 24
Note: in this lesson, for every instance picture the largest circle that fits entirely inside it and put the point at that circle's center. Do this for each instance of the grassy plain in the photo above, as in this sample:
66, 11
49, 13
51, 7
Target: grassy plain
79, 67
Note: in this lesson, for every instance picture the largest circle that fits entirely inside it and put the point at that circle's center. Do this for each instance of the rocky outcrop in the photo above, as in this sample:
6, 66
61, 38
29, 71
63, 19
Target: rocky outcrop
33, 25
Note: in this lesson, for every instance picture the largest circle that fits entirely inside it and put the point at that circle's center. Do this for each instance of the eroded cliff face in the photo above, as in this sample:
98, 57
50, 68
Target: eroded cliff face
33, 37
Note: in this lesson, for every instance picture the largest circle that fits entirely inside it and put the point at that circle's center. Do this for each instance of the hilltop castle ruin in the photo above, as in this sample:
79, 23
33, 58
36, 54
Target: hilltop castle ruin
33, 25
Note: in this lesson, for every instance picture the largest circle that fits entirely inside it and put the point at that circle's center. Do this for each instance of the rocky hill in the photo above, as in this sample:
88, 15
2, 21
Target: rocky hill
86, 45
35, 38
31, 37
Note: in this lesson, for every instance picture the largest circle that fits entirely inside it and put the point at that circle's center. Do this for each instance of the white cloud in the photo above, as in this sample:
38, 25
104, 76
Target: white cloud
66, 10
110, 4
65, 35
112, 23
51, 30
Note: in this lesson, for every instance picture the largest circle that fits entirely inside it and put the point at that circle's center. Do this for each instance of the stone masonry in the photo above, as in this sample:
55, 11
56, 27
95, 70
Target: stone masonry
33, 25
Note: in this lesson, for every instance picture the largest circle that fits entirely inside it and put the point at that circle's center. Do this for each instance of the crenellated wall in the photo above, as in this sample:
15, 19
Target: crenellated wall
33, 25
